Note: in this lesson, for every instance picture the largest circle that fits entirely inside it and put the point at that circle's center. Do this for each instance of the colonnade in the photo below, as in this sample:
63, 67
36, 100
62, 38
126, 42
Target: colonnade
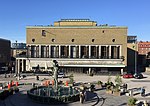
74, 51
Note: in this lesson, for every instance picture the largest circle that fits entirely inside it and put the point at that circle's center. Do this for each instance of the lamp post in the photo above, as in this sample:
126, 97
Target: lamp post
17, 62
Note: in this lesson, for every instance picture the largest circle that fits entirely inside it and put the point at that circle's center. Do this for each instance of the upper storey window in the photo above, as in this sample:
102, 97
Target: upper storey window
93, 40
72, 40
53, 40
43, 33
113, 40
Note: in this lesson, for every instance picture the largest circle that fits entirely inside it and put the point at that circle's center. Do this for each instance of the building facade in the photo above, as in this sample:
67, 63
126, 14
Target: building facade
79, 45
144, 48
144, 54
132, 54
18, 49
4, 52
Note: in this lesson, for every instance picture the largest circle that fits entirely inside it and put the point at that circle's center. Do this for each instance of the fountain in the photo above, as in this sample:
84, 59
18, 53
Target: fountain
57, 94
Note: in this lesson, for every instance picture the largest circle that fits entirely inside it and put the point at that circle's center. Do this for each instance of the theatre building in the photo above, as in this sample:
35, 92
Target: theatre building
79, 45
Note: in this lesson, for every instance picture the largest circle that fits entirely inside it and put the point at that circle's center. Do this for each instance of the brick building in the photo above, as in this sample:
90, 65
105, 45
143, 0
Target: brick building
144, 55
144, 47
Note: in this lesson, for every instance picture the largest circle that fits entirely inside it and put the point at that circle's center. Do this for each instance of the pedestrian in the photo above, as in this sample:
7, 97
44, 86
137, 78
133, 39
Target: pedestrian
81, 96
85, 95
126, 87
142, 91
5, 75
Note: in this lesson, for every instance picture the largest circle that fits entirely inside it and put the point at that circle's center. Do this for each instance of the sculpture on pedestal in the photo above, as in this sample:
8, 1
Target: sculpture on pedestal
55, 72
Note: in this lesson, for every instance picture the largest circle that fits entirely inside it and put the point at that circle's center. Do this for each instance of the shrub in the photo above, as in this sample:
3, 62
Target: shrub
132, 101
99, 83
118, 80
71, 79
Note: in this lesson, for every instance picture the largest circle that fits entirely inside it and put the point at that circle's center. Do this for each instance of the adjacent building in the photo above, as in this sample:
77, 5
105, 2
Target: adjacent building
79, 45
144, 48
4, 53
144, 54
18, 49
132, 54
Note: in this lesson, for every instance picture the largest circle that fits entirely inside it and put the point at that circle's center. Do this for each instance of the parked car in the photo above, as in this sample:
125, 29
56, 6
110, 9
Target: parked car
128, 75
61, 75
138, 76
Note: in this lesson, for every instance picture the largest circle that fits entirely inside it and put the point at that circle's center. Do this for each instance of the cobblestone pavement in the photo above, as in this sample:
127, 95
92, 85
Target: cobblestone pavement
103, 99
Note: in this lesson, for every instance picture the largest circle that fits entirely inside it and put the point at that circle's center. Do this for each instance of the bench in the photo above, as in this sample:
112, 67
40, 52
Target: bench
134, 91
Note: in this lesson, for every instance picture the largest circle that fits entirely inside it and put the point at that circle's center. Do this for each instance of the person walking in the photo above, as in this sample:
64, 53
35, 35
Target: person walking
142, 91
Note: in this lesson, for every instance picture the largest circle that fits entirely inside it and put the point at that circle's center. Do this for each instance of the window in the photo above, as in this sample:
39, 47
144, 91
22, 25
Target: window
43, 33
93, 40
72, 40
113, 40
33, 40
53, 40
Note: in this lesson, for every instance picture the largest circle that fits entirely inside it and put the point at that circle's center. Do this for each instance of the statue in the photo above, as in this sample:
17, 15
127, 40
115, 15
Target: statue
55, 73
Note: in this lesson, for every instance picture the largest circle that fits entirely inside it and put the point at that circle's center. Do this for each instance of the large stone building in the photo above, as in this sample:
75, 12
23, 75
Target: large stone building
4, 53
79, 45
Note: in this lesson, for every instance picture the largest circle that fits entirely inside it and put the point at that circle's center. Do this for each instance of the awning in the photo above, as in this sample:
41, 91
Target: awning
79, 65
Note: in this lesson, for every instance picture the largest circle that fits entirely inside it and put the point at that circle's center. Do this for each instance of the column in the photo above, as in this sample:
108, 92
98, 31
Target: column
59, 51
49, 51
116, 51
22, 65
99, 51
120, 51
79, 51
69, 51
45, 50
110, 52
107, 53
35, 51
89, 71
18, 73
29, 51
39, 51
96, 55
89, 51
18, 67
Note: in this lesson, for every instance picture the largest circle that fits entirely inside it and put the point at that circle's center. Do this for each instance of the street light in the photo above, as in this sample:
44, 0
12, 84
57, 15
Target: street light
18, 71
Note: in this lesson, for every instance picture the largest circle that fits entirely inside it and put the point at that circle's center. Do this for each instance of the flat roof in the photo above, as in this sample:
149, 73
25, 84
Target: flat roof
41, 26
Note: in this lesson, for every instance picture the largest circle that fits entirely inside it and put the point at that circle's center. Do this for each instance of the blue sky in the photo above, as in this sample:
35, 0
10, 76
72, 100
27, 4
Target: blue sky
15, 15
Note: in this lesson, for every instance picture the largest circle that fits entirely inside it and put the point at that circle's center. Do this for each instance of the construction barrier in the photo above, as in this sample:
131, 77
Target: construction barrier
66, 83
9, 86
17, 83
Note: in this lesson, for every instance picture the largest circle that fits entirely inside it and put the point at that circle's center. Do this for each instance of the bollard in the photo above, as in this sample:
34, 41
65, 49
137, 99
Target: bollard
12, 83
66, 83
17, 83
9, 85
